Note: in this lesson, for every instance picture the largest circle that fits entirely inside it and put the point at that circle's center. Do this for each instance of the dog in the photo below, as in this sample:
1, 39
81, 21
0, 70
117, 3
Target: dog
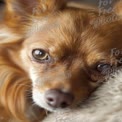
52, 57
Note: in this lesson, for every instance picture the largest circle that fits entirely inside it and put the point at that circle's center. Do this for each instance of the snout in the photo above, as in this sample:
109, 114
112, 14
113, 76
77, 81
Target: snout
58, 99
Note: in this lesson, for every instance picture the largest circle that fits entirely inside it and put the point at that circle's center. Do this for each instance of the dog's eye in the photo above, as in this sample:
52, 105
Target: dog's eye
40, 55
104, 68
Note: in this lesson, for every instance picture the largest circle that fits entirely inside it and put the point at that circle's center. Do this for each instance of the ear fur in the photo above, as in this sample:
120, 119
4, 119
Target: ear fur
18, 13
29, 6
7, 36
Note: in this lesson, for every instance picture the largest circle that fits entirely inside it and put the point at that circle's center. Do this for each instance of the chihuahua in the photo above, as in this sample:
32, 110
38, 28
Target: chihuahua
53, 57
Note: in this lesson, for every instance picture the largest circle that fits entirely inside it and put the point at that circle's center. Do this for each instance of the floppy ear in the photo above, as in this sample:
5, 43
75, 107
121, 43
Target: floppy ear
118, 8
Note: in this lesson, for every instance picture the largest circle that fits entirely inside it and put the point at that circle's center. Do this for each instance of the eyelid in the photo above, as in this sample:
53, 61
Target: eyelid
44, 49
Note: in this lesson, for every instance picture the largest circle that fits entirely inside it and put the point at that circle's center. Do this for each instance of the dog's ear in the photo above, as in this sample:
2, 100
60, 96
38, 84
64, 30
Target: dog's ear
7, 36
18, 13
33, 7
118, 8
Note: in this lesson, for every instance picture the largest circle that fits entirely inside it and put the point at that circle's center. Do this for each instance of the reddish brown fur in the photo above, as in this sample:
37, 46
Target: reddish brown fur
70, 38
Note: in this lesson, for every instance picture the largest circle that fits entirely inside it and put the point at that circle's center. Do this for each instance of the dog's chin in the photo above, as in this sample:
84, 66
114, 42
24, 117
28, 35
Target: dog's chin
38, 99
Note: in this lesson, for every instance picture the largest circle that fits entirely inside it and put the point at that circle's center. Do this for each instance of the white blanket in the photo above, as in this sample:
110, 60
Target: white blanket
105, 105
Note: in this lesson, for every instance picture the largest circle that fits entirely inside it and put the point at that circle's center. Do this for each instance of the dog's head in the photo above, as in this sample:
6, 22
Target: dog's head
68, 61
64, 54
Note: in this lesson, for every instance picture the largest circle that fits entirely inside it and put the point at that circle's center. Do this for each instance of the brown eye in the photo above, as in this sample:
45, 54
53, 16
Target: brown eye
40, 55
104, 68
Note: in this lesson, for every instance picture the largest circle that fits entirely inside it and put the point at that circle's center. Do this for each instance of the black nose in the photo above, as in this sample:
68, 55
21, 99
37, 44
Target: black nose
58, 99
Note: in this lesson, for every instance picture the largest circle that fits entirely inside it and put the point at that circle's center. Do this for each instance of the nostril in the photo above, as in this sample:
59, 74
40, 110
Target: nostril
50, 99
64, 105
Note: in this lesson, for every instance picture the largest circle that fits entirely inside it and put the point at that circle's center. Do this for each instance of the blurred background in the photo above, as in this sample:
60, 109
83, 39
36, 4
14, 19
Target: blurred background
92, 2
97, 3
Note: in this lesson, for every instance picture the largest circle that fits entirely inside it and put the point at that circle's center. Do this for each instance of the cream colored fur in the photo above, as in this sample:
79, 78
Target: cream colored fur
105, 105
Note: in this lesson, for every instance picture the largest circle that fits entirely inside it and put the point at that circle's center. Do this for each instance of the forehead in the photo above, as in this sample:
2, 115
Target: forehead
70, 21
63, 29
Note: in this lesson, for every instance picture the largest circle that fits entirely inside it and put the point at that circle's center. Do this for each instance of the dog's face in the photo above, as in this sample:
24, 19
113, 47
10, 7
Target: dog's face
66, 58
56, 64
